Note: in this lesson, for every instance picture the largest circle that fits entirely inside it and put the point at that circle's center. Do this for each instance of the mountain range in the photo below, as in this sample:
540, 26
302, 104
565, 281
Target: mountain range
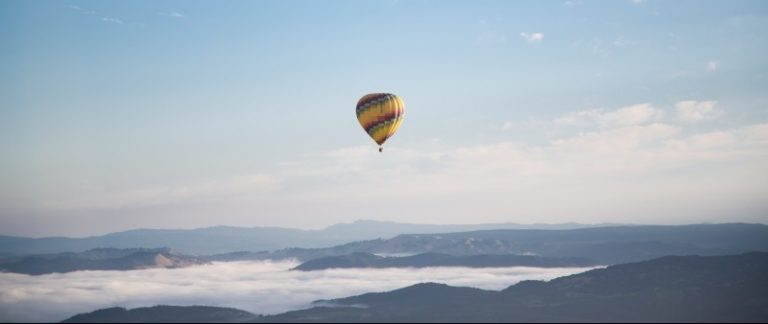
573, 247
98, 259
367, 260
225, 239
604, 245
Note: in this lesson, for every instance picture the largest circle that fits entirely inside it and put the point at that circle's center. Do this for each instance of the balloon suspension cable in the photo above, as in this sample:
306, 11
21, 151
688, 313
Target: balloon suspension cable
381, 149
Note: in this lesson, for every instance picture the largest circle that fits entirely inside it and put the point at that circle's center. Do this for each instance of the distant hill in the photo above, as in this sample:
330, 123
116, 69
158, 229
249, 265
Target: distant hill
577, 247
99, 259
605, 245
225, 239
668, 289
164, 314
367, 260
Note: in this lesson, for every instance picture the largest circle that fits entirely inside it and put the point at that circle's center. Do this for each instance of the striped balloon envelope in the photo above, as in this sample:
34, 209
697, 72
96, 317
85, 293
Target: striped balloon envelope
380, 114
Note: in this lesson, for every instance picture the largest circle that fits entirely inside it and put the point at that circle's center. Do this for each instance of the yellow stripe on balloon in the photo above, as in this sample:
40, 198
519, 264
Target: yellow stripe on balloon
395, 126
370, 114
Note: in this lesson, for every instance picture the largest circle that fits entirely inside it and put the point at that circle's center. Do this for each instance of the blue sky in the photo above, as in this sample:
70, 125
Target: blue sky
178, 114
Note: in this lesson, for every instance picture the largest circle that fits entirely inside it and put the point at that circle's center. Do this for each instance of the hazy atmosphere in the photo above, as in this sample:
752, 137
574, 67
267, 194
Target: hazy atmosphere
185, 114
325, 161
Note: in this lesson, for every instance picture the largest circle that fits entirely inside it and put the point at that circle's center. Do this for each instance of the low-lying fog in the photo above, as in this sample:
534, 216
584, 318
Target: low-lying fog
258, 287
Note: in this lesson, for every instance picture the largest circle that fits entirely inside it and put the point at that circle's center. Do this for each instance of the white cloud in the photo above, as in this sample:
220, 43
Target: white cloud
631, 115
82, 10
625, 116
697, 111
717, 139
258, 287
637, 2
113, 20
533, 38
618, 139
173, 14
712, 66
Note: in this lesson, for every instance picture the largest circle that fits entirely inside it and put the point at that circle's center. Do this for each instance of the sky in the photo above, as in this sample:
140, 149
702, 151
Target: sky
185, 114
257, 287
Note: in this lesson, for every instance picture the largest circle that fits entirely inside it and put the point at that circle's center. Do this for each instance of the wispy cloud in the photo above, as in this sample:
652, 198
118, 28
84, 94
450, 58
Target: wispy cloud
82, 10
712, 66
108, 19
532, 37
697, 111
618, 139
625, 116
258, 287
113, 20
173, 14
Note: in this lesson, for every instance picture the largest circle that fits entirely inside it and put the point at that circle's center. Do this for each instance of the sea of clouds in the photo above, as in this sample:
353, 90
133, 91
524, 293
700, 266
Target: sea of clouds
258, 287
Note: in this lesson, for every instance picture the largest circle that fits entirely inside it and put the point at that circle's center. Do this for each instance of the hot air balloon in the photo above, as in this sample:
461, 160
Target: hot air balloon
380, 114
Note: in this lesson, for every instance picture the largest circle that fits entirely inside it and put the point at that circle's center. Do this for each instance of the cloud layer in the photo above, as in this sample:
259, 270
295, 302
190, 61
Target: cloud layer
258, 287
639, 163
